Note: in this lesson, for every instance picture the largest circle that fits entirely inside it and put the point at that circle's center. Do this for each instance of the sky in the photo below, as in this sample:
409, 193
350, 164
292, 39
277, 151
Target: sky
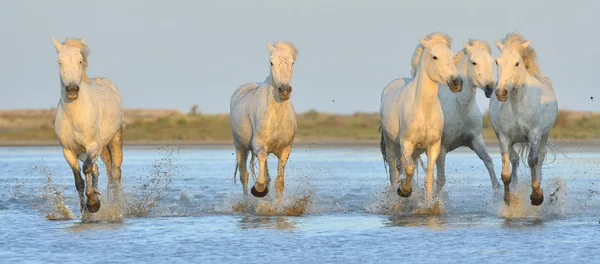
174, 54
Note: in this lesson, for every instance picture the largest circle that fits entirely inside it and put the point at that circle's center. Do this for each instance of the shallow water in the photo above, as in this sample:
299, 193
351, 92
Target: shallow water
182, 206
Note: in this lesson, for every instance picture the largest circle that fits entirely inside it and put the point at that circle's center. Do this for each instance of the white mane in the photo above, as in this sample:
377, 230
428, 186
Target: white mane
480, 44
515, 41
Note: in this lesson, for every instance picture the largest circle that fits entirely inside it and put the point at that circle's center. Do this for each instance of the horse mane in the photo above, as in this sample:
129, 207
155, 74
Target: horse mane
514, 41
479, 44
437, 37
287, 47
78, 44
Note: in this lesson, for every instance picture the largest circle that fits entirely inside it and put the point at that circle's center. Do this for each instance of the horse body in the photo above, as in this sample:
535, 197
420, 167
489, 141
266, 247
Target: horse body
523, 111
462, 117
263, 121
411, 115
89, 123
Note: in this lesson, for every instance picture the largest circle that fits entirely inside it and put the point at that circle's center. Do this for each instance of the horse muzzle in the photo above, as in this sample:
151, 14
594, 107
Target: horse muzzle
72, 92
455, 84
285, 92
502, 94
489, 89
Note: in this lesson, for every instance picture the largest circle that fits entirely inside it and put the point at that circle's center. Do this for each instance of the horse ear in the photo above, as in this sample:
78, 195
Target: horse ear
271, 47
57, 44
468, 48
423, 42
83, 40
498, 44
526, 44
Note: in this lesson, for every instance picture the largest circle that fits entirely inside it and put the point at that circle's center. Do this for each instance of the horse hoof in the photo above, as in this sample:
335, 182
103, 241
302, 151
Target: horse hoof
402, 194
258, 194
93, 205
536, 201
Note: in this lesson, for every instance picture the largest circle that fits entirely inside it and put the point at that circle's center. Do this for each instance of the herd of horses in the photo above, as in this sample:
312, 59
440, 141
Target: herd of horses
432, 112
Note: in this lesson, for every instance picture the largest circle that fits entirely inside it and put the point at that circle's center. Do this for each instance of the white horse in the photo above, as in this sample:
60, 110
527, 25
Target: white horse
411, 115
462, 117
89, 123
263, 121
524, 111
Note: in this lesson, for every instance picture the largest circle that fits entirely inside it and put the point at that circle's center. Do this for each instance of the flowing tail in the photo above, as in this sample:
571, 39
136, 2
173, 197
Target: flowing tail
382, 147
524, 152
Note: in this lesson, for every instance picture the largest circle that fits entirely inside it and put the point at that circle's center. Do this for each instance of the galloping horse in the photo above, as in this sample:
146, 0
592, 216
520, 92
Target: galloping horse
523, 111
89, 123
462, 117
411, 115
263, 121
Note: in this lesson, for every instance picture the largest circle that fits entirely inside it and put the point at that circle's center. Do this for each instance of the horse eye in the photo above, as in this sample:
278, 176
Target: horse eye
435, 57
293, 63
496, 63
517, 65
474, 63
271, 63
80, 62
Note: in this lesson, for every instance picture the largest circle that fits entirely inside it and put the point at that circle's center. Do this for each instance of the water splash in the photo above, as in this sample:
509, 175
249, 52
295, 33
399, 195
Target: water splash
54, 207
144, 198
555, 204
388, 202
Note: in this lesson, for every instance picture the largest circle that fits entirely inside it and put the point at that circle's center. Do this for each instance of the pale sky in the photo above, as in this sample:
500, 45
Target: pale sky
173, 54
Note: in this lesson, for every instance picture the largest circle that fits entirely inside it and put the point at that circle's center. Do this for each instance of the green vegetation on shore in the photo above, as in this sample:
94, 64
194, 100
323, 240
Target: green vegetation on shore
172, 126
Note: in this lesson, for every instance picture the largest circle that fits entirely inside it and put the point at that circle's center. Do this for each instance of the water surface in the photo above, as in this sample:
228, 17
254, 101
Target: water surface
345, 213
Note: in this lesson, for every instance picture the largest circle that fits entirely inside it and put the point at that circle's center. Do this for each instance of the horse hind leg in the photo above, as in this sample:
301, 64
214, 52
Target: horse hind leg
390, 155
115, 148
514, 160
478, 145
105, 156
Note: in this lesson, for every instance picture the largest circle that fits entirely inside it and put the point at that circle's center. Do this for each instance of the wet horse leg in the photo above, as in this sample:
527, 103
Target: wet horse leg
280, 181
478, 145
115, 147
407, 162
391, 157
537, 153
105, 156
441, 170
514, 160
260, 188
93, 153
506, 147
433, 152
73, 162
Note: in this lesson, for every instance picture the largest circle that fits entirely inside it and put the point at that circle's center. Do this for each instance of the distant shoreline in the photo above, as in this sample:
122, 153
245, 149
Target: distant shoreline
562, 145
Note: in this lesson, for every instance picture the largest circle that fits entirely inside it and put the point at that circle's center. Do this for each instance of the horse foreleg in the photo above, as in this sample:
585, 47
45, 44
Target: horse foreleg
73, 162
478, 145
280, 181
441, 170
514, 160
260, 188
93, 153
115, 147
95, 174
432, 155
505, 149
407, 162
537, 153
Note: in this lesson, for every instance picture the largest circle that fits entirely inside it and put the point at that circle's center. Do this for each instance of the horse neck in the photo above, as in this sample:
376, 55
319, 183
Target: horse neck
426, 90
467, 95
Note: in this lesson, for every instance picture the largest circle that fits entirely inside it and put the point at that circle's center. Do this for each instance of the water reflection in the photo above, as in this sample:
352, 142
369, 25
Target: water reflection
435, 222
522, 223
267, 222
78, 226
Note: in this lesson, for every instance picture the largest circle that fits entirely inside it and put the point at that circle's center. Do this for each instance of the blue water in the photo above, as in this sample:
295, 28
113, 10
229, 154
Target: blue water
346, 215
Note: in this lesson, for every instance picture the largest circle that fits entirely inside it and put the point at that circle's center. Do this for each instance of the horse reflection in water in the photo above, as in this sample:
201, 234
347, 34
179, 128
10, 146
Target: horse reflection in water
263, 121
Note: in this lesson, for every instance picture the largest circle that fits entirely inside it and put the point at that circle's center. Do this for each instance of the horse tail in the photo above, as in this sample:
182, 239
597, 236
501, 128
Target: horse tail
552, 149
382, 147
237, 166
